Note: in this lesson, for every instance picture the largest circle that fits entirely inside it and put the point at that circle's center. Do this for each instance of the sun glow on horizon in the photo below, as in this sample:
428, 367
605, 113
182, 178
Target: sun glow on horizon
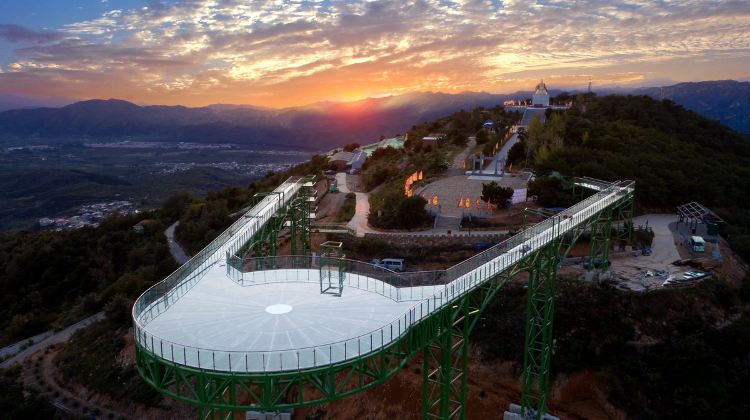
202, 52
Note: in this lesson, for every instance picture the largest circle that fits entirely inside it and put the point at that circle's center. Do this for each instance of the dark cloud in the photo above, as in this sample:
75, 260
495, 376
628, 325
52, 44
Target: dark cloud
22, 34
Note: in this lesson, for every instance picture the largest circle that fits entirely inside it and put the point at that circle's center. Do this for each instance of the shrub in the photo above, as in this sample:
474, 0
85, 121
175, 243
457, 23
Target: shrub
347, 210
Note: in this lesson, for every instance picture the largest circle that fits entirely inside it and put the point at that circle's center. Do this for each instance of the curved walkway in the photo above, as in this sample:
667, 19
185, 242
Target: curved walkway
499, 160
175, 249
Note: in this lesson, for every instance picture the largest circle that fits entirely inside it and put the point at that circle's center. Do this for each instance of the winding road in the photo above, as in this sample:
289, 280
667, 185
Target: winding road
361, 210
18, 351
175, 249
50, 339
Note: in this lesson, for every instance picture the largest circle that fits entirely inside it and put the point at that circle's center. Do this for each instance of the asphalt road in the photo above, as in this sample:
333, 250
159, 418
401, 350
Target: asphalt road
52, 338
175, 249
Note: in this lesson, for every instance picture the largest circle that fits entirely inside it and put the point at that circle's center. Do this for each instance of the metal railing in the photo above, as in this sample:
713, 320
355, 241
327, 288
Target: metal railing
160, 296
397, 286
439, 288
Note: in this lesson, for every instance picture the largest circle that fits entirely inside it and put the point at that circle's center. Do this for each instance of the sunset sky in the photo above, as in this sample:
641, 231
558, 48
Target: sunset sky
279, 53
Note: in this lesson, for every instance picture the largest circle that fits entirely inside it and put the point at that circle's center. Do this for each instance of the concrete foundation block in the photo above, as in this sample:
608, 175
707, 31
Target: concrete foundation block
515, 412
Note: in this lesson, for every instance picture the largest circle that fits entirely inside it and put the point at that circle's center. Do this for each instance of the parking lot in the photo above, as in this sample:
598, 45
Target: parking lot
638, 272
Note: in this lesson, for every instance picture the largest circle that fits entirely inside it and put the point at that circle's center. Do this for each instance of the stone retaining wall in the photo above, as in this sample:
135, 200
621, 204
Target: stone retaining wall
412, 240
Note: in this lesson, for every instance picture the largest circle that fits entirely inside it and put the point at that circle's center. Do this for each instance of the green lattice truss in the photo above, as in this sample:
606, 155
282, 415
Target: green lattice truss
441, 340
296, 216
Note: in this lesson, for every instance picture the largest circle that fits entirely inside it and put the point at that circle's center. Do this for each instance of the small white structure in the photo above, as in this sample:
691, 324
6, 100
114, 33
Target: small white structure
433, 139
540, 98
519, 195
355, 160
395, 142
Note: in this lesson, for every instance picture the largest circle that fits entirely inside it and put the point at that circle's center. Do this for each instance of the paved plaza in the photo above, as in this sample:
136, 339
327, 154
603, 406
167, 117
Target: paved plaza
450, 189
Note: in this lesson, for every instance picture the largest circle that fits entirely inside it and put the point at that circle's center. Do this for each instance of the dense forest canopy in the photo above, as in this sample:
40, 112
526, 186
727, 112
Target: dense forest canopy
55, 278
674, 156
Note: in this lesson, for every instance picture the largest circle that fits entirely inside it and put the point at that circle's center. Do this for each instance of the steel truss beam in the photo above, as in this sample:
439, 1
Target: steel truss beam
540, 307
601, 232
295, 215
445, 358
214, 391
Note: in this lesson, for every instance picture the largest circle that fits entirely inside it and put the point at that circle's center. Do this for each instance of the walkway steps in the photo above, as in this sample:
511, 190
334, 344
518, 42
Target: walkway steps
448, 223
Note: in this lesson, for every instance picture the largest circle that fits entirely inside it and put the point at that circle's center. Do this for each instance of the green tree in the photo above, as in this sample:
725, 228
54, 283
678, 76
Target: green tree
517, 153
175, 205
533, 137
482, 137
496, 194
411, 212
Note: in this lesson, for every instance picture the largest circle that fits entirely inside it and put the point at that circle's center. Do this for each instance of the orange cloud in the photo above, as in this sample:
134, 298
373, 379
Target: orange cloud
203, 52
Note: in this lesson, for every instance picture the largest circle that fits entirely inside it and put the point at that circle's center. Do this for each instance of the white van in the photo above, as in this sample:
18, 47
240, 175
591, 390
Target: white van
697, 244
393, 264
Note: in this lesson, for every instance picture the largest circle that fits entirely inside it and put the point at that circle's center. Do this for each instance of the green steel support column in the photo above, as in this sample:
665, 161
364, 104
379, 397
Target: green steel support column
425, 381
307, 196
625, 216
296, 226
446, 358
293, 228
299, 220
538, 342
445, 365
601, 231
465, 327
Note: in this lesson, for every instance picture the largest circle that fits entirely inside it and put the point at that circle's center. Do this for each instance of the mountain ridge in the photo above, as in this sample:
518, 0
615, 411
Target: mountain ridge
322, 124
727, 101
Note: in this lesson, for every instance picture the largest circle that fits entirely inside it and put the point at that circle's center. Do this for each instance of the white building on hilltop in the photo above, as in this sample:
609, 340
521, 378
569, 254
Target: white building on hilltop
540, 98
538, 107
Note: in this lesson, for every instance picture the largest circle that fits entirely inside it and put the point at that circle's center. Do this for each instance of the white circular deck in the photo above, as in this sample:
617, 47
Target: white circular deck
277, 320
219, 314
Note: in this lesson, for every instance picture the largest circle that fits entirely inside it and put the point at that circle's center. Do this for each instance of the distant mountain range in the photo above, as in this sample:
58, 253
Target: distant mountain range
727, 101
320, 125
10, 101
317, 126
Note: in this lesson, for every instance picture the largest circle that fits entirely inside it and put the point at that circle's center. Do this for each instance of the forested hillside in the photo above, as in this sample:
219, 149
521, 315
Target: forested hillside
673, 354
52, 279
727, 101
674, 155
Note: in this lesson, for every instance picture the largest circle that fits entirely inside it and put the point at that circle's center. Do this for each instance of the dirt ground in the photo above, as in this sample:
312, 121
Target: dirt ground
328, 203
508, 219
40, 371
667, 248
491, 389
